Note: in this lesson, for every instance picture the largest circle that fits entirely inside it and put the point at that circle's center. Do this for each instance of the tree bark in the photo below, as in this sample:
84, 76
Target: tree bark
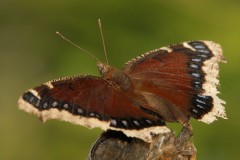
114, 145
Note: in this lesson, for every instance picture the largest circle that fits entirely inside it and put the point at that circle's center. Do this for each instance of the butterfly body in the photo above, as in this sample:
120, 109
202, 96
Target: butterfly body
170, 84
133, 89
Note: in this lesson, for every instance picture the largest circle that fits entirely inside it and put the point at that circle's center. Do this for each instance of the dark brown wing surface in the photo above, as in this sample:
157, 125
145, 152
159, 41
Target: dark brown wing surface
92, 102
183, 77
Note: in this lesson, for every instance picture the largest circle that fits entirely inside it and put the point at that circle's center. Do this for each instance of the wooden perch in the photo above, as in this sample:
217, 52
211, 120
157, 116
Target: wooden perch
114, 145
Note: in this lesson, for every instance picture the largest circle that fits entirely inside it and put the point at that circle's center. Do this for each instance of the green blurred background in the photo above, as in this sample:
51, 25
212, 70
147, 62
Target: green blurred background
31, 53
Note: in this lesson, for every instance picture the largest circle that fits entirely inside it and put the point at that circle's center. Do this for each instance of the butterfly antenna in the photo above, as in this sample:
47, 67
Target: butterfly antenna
103, 43
85, 51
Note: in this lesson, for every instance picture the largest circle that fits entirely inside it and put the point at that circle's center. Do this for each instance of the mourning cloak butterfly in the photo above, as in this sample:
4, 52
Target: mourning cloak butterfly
170, 84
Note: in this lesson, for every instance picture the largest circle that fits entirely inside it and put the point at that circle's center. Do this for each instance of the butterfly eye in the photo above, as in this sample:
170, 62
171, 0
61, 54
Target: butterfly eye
103, 69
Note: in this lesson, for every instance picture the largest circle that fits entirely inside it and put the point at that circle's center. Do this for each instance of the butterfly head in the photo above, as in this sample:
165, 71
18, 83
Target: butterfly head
103, 68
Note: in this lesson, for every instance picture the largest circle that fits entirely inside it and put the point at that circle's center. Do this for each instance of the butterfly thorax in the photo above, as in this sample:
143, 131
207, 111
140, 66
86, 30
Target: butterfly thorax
115, 76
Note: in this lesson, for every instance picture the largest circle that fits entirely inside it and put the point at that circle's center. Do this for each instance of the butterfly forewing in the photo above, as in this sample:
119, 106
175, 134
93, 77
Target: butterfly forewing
175, 76
92, 102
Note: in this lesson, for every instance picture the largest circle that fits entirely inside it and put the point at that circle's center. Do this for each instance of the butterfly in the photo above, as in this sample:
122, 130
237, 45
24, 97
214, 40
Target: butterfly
169, 84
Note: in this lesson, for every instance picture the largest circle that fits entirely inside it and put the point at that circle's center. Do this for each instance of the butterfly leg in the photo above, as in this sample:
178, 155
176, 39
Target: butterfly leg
182, 140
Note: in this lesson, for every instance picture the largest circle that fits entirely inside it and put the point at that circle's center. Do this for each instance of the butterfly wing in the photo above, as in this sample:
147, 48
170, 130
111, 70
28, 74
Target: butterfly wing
180, 81
91, 102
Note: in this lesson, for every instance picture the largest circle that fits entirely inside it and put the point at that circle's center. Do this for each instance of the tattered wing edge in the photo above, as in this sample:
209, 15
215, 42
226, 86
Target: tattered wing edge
211, 69
53, 113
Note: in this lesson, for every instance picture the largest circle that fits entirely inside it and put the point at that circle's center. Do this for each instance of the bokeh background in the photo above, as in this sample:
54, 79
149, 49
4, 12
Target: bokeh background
31, 53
